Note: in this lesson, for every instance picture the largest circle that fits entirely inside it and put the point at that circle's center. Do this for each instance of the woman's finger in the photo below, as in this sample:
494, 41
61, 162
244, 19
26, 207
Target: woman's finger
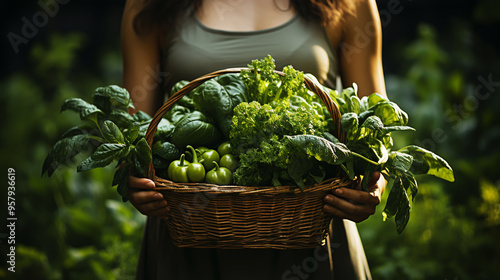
350, 208
138, 197
140, 183
357, 196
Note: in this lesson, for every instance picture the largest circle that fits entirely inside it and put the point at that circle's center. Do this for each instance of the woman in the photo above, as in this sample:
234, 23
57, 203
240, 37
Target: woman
167, 41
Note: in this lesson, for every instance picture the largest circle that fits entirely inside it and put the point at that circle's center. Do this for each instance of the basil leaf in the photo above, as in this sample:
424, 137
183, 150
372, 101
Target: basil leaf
131, 133
64, 151
103, 156
121, 118
84, 128
112, 96
142, 155
427, 162
120, 179
85, 109
112, 133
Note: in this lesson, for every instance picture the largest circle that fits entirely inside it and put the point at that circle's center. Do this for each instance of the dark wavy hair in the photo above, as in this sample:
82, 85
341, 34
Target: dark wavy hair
164, 13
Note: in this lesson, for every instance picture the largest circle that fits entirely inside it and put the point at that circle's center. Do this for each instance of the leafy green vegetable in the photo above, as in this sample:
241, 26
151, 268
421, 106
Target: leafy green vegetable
196, 129
258, 136
368, 123
108, 134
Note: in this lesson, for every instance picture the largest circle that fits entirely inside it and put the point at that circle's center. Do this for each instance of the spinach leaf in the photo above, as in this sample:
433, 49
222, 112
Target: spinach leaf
398, 205
195, 129
320, 148
217, 97
427, 162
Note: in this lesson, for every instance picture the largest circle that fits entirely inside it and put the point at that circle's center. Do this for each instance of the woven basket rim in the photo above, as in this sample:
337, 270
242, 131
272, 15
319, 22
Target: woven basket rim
328, 184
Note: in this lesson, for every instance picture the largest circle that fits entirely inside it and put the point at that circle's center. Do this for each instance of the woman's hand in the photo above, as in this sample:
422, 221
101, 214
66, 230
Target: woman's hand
147, 201
356, 204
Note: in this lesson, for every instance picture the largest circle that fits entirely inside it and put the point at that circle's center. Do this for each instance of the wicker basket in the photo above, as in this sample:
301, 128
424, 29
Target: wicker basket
203, 215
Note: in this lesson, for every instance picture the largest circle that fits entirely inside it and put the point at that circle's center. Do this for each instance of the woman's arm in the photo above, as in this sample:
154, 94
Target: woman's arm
141, 61
360, 54
141, 58
360, 50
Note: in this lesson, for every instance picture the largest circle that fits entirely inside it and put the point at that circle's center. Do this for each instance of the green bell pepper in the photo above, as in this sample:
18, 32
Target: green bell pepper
219, 175
224, 148
229, 161
177, 170
195, 170
208, 157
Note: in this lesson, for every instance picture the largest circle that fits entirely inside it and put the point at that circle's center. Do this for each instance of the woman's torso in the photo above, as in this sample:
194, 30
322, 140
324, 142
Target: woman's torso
194, 49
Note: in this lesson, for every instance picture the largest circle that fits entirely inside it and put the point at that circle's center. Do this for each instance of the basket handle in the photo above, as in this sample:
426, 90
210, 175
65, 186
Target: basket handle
314, 87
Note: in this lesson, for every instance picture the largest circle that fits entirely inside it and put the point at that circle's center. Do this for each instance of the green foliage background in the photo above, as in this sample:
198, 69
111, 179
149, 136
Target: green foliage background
74, 226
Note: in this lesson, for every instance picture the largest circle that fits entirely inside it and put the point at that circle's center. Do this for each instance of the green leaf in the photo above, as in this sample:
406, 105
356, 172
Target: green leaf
379, 150
167, 151
398, 205
121, 118
84, 128
355, 104
349, 122
112, 97
164, 129
399, 163
140, 117
320, 148
103, 156
390, 114
411, 184
64, 150
388, 129
80, 106
404, 210
375, 98
120, 179
132, 132
427, 162
373, 123
142, 154
195, 129
112, 133
216, 99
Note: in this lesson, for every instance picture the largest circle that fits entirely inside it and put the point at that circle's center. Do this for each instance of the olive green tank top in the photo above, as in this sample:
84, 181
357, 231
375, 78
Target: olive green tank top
194, 49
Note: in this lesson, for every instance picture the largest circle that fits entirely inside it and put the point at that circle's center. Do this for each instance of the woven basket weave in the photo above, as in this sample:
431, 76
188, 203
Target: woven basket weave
204, 215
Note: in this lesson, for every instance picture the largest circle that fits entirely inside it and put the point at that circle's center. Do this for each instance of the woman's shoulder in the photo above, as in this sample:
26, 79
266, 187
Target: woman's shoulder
362, 19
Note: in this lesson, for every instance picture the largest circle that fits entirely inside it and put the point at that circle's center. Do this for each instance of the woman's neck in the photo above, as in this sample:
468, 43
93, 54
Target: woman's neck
244, 15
